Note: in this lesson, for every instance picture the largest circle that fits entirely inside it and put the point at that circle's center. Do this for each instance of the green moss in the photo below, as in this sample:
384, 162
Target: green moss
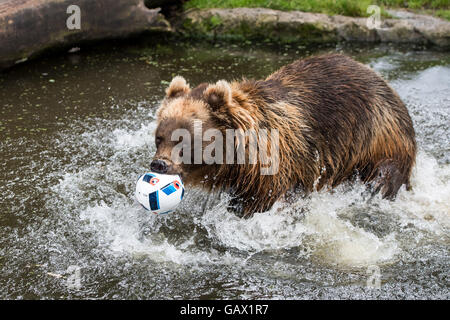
215, 21
203, 27
214, 27
353, 8
445, 14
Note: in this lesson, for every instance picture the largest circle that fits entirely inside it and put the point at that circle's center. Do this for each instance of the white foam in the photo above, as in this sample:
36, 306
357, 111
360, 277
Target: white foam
270, 230
119, 230
324, 229
319, 231
134, 139
427, 205
430, 86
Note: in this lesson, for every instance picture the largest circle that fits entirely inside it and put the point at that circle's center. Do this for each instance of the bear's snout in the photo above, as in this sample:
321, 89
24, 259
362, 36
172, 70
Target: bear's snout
159, 166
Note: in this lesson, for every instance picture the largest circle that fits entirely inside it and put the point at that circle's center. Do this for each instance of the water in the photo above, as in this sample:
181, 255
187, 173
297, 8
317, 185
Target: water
77, 129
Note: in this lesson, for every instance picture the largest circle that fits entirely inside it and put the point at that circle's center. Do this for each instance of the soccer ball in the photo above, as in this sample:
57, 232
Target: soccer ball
159, 193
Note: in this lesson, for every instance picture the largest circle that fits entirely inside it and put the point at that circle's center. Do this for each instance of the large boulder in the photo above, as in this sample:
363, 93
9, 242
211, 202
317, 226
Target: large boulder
297, 26
434, 30
244, 23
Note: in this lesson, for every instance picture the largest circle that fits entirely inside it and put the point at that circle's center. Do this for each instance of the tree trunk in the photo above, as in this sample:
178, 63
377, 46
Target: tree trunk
28, 27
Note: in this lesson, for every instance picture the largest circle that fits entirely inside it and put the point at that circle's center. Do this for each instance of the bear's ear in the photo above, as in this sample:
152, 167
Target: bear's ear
218, 95
178, 87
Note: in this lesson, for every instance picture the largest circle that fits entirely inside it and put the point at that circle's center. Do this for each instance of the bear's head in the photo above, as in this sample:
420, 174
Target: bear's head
191, 124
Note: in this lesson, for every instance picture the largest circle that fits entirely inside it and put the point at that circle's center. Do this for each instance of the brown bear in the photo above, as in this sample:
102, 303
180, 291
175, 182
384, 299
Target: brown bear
336, 120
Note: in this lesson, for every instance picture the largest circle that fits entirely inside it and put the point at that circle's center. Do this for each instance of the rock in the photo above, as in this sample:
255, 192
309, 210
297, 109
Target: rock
355, 29
248, 23
27, 27
309, 26
297, 26
399, 32
434, 30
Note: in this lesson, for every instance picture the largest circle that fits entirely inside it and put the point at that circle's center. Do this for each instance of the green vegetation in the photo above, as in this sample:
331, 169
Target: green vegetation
344, 7
439, 8
353, 8
444, 14
416, 4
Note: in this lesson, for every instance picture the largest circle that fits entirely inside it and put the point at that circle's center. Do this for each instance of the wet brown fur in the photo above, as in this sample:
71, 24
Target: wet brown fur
335, 116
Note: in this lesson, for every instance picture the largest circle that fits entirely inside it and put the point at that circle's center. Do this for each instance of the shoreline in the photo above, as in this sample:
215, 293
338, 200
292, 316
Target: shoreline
299, 26
20, 44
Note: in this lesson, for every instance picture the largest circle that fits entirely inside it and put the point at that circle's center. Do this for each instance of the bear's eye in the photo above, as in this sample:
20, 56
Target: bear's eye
158, 141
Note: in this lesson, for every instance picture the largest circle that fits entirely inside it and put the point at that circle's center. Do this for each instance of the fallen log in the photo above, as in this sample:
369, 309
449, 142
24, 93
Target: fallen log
27, 27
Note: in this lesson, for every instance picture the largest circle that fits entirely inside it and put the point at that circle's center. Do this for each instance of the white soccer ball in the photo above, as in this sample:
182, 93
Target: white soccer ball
159, 193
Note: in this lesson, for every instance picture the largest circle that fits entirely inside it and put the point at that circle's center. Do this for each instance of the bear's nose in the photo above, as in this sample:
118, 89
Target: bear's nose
159, 166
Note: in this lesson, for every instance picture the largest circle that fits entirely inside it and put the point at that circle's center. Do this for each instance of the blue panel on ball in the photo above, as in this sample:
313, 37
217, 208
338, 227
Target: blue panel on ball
154, 200
169, 189
147, 177
182, 194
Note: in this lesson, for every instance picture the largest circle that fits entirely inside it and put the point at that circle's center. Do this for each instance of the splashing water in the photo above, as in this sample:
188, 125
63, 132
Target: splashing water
80, 209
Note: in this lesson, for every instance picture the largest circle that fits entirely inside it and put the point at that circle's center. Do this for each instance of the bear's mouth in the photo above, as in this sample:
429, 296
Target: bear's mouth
170, 168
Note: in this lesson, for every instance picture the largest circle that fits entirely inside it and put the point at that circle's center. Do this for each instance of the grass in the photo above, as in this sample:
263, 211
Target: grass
444, 14
416, 4
353, 8
439, 8
345, 7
